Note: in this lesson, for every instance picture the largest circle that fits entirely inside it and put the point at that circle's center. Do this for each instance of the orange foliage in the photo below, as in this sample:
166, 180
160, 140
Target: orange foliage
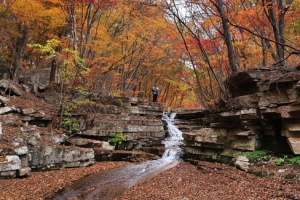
128, 46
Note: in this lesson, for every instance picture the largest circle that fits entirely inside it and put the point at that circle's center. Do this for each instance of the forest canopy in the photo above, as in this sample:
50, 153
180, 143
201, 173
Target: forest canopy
124, 47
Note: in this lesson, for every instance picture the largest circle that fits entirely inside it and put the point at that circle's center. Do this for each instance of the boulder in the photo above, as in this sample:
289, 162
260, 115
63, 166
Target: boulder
27, 111
242, 163
24, 171
58, 156
15, 89
4, 100
4, 110
21, 150
13, 163
8, 174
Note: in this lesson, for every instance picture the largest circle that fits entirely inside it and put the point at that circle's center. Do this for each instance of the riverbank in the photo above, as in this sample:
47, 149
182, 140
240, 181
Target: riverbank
184, 181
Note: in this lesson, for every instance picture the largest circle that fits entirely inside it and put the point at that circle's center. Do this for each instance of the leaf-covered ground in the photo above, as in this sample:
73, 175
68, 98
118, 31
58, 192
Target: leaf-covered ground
41, 184
212, 181
184, 182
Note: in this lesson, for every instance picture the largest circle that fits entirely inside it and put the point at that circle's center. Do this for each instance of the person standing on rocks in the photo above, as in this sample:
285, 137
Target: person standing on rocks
155, 92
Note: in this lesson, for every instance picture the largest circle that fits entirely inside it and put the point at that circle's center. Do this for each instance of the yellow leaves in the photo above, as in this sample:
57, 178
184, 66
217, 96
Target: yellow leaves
54, 18
34, 15
26, 10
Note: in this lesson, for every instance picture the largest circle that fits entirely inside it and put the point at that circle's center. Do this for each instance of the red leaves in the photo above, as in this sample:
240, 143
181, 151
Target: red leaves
100, 3
42, 184
212, 181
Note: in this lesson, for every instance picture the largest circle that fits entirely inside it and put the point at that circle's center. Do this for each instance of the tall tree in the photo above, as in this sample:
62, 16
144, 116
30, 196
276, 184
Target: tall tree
226, 34
27, 26
276, 18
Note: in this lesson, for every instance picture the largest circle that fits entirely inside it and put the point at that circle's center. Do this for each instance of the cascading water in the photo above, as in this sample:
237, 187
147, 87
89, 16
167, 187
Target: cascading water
174, 140
118, 180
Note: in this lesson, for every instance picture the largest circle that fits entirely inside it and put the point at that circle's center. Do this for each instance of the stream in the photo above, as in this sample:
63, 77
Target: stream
113, 183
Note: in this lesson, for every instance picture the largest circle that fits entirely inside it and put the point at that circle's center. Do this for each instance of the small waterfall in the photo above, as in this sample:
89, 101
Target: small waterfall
127, 176
174, 139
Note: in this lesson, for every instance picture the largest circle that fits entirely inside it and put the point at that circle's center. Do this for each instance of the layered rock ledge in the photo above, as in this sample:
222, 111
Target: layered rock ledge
30, 137
262, 113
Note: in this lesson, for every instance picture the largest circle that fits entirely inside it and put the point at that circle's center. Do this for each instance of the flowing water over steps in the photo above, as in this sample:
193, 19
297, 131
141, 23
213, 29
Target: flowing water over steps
112, 183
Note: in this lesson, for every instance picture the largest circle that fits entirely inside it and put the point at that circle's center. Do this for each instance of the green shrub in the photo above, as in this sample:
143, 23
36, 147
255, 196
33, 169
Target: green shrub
118, 138
295, 160
70, 123
258, 155
119, 102
279, 161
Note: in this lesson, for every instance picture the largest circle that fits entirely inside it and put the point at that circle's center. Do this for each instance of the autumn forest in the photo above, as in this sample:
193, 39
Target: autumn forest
124, 47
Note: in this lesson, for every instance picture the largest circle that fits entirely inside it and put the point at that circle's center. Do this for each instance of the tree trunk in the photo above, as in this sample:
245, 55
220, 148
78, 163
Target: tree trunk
264, 52
227, 37
20, 44
277, 22
281, 11
73, 22
54, 66
53, 70
272, 19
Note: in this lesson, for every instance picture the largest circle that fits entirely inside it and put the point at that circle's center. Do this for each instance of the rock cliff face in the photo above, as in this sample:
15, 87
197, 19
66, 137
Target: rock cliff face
263, 112
30, 139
